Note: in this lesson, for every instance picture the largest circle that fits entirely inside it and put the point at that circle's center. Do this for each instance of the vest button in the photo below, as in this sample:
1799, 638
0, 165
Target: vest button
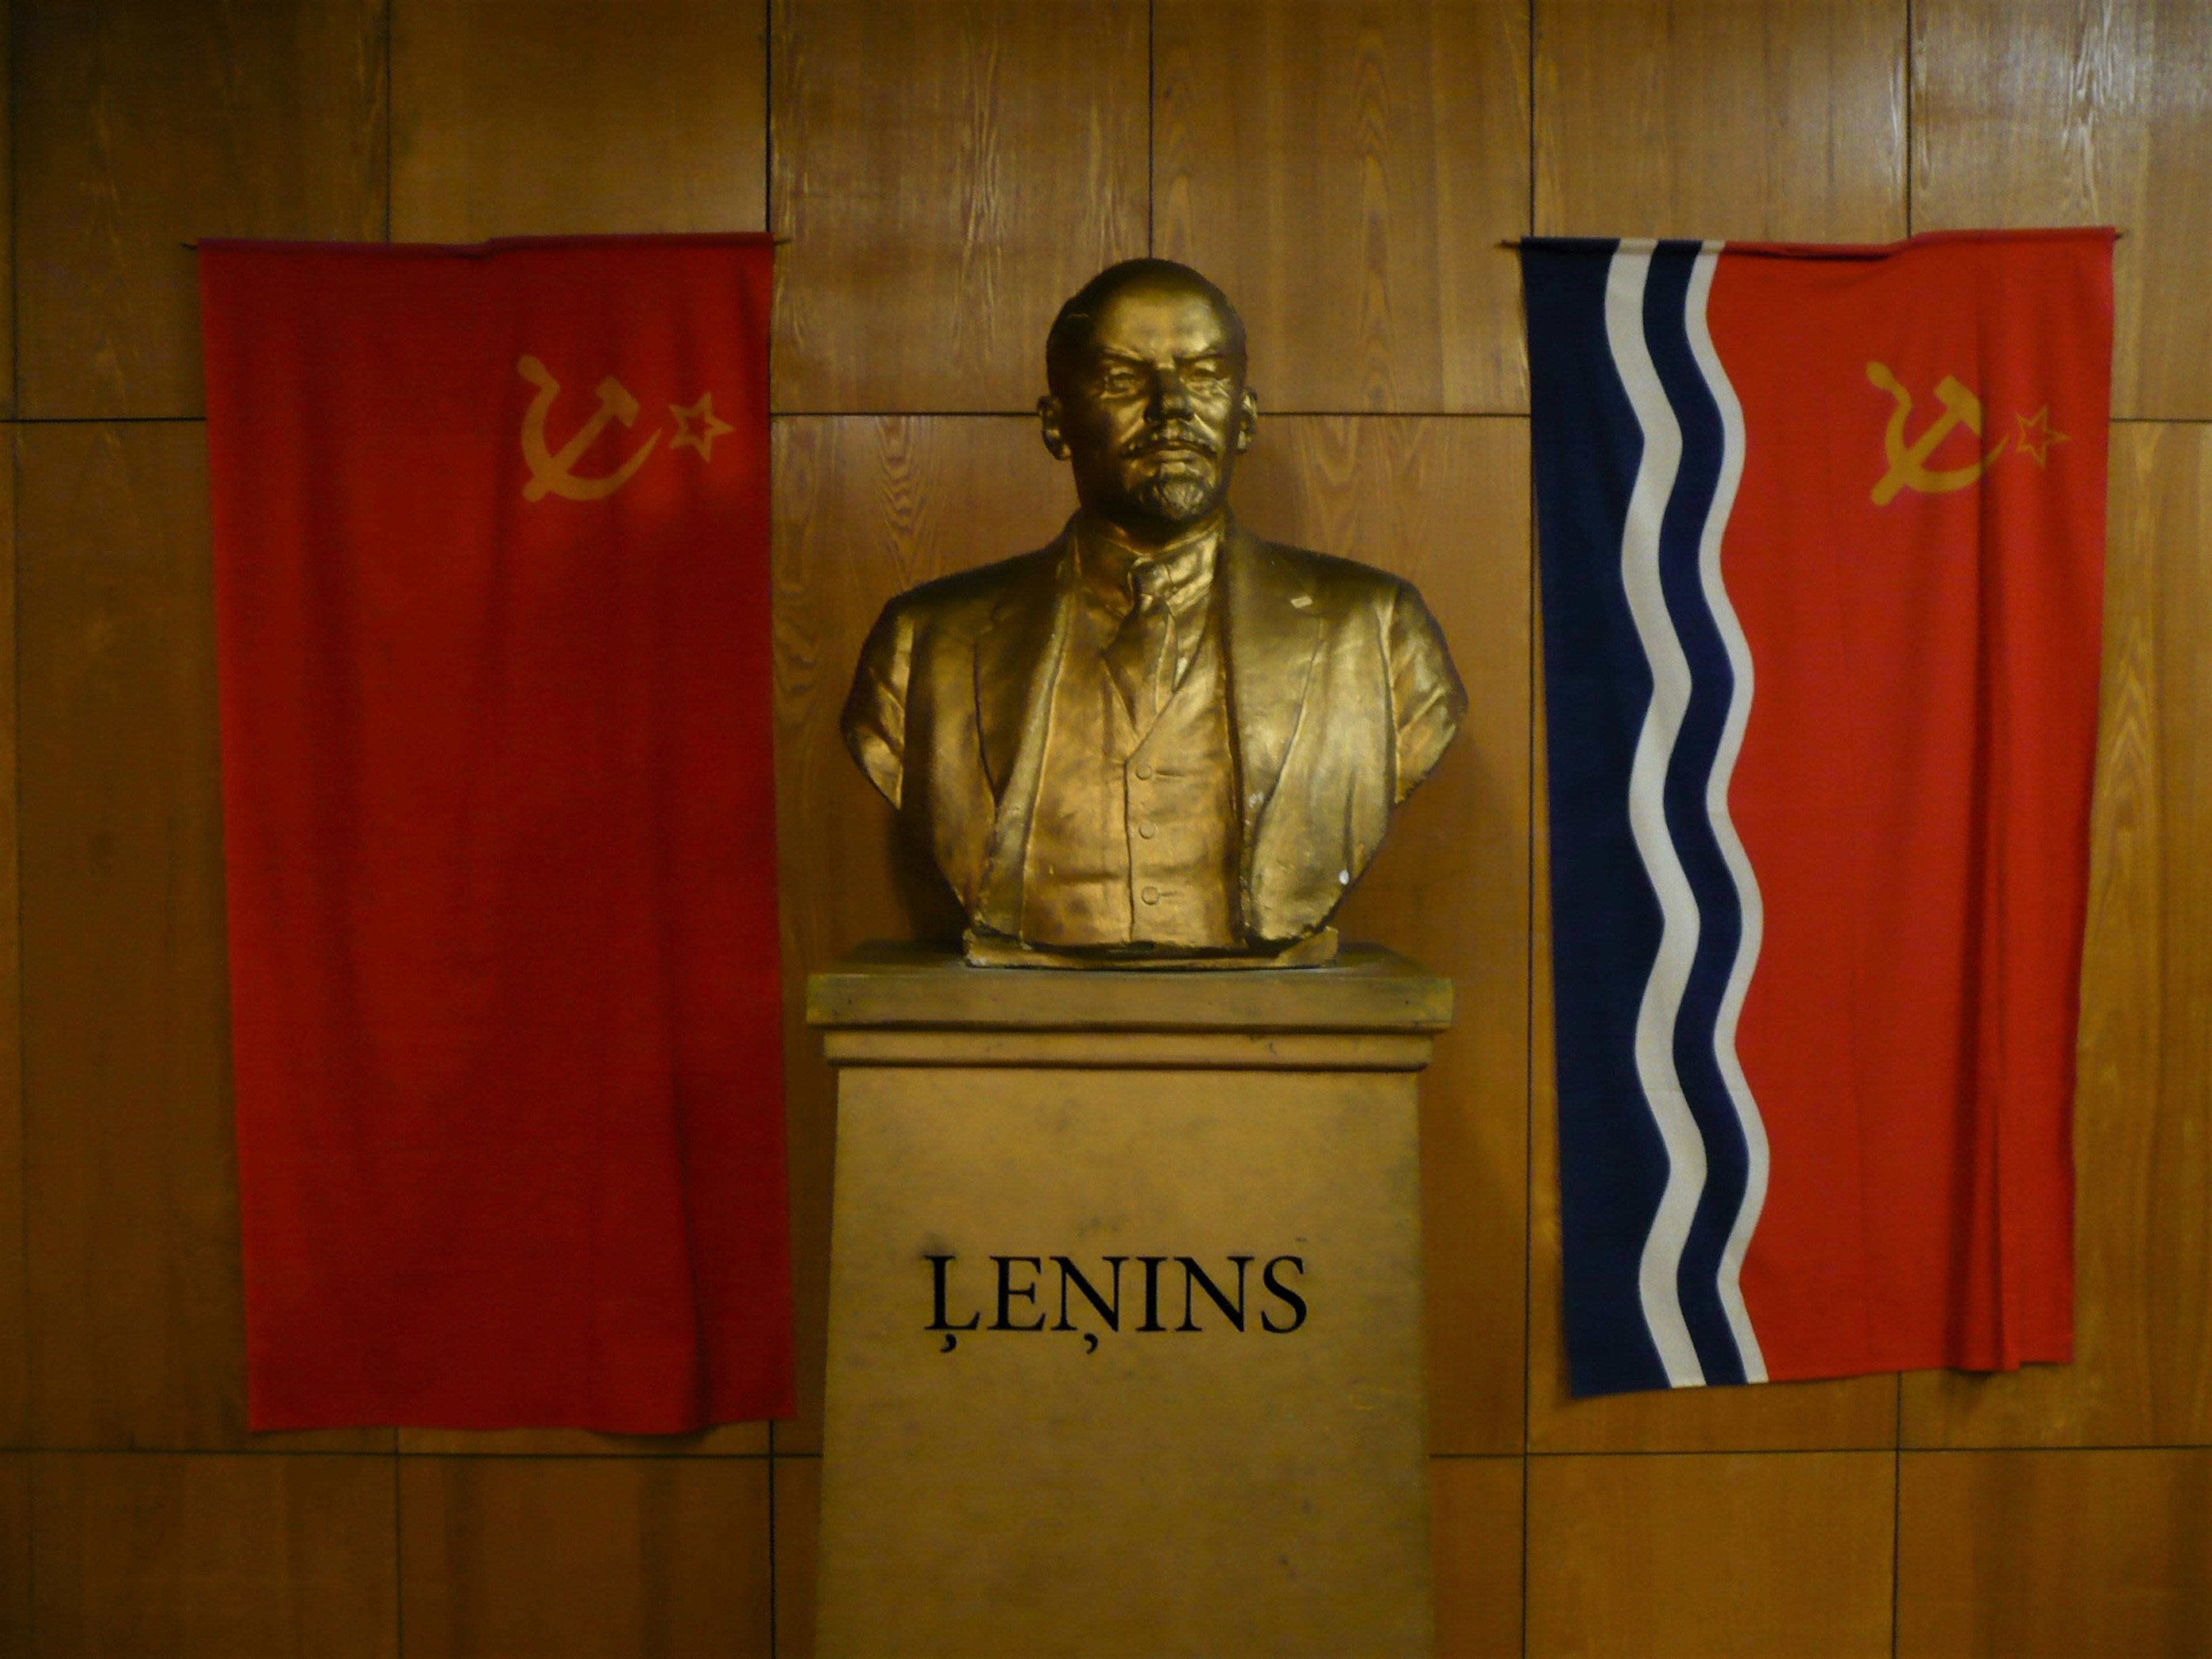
1145, 770
1151, 896
1148, 829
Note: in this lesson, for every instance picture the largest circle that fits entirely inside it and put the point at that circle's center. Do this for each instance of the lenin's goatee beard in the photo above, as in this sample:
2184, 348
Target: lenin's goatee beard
1175, 500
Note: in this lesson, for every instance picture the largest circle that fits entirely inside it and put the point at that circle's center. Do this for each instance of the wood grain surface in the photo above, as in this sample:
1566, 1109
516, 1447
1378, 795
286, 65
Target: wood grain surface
662, 1557
1445, 503
1475, 1515
2053, 112
2143, 1132
135, 1300
864, 508
15, 1304
948, 171
730, 1440
536, 118
798, 1553
1710, 1556
1758, 119
1346, 174
6, 212
141, 124
2055, 1555
214, 1557
14, 1552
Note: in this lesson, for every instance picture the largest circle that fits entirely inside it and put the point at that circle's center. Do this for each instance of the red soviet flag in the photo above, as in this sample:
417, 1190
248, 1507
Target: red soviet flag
491, 559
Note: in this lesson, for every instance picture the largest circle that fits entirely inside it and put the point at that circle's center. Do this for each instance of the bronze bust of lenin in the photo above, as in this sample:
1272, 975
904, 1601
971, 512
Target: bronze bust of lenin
1159, 740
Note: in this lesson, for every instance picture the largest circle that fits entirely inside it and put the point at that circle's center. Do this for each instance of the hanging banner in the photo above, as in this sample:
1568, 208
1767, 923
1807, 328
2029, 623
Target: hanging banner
491, 559
1821, 544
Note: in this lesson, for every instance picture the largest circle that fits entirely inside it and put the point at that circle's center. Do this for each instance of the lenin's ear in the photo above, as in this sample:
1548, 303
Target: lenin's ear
1048, 408
1248, 419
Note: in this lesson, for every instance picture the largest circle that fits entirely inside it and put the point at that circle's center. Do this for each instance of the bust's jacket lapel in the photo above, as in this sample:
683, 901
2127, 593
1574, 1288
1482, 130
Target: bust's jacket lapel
1271, 632
1017, 653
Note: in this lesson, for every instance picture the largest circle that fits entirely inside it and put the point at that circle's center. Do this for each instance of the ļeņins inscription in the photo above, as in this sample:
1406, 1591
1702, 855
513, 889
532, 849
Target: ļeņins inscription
1023, 1289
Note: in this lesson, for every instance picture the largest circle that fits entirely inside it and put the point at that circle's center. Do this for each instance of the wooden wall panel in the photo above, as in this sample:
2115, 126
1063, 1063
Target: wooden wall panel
142, 124
663, 1558
1774, 119
132, 1190
15, 1304
2143, 1371
729, 1440
948, 171
7, 210
212, 1557
1707, 1556
133, 1224
864, 508
1445, 503
798, 1553
2056, 1555
514, 117
1347, 174
1475, 1515
2052, 113
14, 1552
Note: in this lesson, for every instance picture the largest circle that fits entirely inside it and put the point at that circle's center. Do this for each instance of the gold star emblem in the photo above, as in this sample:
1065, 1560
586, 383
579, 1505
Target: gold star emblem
2036, 434
709, 426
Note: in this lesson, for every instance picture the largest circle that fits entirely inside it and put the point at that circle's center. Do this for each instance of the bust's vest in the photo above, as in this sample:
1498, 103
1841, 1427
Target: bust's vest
1134, 840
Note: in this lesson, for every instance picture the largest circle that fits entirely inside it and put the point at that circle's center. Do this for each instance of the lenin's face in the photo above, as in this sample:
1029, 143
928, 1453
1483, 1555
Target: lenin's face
1154, 413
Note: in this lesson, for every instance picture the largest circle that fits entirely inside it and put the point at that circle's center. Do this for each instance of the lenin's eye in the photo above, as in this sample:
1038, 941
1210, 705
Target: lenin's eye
1117, 382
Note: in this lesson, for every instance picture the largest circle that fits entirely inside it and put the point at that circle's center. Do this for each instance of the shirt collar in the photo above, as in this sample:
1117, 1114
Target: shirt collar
1106, 562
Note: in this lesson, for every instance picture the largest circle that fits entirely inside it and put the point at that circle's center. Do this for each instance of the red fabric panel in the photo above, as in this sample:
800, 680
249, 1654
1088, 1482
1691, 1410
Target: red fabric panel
1914, 787
501, 834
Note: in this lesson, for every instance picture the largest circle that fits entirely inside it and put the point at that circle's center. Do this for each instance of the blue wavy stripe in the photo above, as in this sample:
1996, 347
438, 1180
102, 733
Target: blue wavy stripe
1605, 916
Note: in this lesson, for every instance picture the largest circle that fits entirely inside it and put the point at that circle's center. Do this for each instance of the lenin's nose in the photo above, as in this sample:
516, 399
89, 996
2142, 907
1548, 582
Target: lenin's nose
1170, 396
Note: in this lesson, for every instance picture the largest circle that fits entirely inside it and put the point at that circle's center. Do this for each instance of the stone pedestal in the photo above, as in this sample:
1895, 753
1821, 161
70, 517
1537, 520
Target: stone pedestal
1125, 1311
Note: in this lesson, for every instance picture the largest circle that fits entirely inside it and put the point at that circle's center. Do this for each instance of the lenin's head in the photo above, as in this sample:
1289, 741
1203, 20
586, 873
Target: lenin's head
1148, 402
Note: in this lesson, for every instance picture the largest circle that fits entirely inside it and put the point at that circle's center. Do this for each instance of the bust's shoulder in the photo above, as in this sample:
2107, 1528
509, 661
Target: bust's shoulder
972, 597
1339, 581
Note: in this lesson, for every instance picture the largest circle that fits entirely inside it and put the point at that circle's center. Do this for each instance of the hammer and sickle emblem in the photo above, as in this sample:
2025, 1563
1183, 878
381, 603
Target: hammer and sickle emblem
1908, 464
554, 475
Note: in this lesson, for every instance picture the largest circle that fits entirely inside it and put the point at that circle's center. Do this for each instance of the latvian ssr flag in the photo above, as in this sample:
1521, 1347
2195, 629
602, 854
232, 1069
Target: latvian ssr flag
1822, 542
491, 563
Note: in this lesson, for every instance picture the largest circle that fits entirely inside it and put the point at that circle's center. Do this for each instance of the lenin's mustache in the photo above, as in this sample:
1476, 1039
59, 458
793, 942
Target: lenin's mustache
1152, 443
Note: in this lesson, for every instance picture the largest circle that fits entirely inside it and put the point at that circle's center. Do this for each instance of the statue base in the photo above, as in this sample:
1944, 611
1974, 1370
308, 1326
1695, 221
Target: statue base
1125, 1311
997, 950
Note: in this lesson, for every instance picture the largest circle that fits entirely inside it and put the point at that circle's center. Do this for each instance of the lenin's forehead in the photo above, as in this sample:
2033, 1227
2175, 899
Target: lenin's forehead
1164, 317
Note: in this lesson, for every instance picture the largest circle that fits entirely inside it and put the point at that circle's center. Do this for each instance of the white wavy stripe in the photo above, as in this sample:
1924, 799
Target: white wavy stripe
1658, 1273
1716, 809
